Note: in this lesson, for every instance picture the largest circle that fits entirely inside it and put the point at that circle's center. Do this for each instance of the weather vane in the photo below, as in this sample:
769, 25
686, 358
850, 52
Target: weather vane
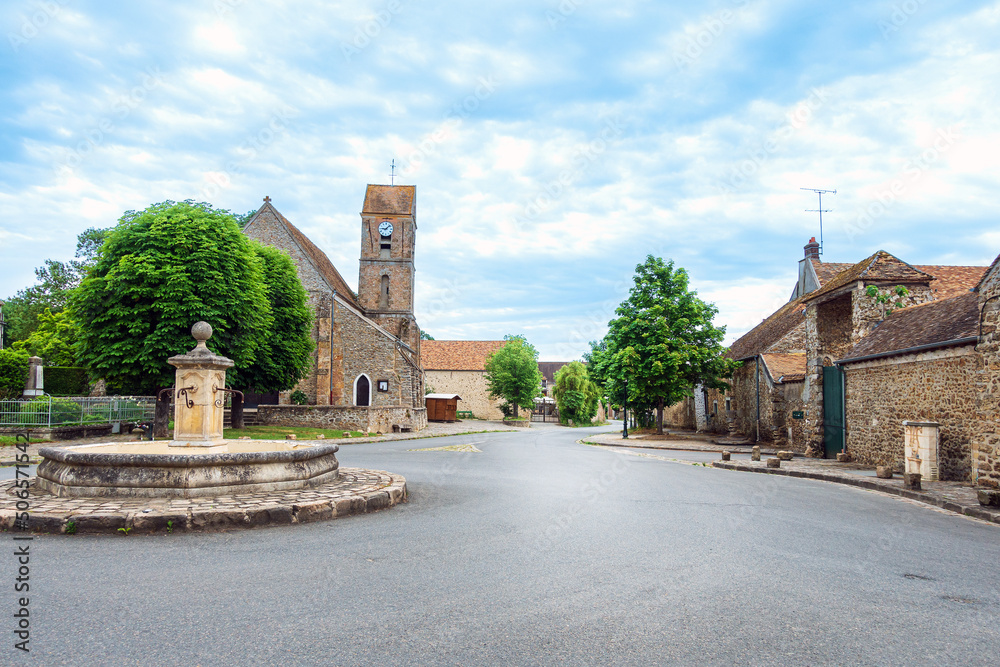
392, 173
819, 210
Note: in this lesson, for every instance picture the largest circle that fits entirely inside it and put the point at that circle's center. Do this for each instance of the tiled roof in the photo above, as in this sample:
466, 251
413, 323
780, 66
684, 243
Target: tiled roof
950, 281
786, 367
926, 324
826, 271
770, 331
549, 369
316, 256
881, 267
457, 355
390, 199
987, 272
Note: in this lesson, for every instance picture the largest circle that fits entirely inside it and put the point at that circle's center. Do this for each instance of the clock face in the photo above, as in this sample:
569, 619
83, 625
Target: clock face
385, 229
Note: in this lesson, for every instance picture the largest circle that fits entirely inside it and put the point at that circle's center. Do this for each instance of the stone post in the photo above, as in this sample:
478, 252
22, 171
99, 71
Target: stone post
35, 383
198, 399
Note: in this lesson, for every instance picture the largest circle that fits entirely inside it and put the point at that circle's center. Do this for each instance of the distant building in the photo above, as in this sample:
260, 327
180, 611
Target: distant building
458, 367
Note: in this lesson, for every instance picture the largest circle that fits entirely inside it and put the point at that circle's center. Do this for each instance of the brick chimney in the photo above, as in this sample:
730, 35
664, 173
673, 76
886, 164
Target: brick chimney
812, 249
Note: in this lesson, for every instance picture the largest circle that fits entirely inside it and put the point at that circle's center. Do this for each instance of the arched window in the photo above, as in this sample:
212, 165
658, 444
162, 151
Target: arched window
383, 298
362, 391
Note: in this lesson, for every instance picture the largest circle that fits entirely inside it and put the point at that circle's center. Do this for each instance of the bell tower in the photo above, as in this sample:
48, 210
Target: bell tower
385, 280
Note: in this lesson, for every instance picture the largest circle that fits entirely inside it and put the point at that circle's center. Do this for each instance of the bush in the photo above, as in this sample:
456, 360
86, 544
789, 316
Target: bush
13, 372
36, 412
299, 397
66, 381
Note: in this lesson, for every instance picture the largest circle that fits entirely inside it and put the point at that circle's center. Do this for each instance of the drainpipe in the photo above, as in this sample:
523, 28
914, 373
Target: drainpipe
757, 378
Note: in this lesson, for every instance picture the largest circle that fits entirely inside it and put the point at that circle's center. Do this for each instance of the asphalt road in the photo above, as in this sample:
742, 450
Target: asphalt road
537, 550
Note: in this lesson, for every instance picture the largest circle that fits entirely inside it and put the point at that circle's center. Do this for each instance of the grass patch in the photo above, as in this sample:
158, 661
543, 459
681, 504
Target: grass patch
10, 440
279, 433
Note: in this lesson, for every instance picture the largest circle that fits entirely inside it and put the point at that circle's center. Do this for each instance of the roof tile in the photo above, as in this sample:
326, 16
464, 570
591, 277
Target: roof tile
457, 355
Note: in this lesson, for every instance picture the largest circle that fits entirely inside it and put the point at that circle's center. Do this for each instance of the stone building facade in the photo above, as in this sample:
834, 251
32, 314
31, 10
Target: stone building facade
367, 343
985, 450
923, 362
457, 367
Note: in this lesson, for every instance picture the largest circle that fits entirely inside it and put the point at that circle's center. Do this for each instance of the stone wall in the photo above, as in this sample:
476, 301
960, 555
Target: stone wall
471, 386
936, 386
366, 420
986, 459
680, 415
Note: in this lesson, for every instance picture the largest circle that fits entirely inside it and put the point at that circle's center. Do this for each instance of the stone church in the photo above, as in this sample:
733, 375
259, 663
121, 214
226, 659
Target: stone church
367, 343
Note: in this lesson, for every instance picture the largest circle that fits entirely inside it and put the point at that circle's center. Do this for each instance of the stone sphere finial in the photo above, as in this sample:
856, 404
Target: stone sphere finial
201, 331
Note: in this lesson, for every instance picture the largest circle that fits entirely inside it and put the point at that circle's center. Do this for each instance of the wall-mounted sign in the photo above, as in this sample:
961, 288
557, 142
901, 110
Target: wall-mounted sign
383, 385
798, 414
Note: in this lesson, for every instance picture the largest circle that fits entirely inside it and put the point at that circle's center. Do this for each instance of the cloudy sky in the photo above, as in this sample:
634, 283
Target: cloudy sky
553, 144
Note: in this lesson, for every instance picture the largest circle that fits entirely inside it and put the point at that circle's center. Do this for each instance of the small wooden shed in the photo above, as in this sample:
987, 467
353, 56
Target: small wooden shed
442, 407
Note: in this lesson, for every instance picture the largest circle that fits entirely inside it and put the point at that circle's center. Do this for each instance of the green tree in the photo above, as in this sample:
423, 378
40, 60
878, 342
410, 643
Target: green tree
53, 340
286, 348
662, 343
425, 336
158, 272
576, 396
13, 372
512, 373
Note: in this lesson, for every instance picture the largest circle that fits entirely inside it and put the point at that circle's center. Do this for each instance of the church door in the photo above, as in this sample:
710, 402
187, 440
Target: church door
362, 391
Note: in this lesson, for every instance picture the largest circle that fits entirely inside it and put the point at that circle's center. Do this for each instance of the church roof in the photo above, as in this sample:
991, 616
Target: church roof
316, 256
390, 199
457, 355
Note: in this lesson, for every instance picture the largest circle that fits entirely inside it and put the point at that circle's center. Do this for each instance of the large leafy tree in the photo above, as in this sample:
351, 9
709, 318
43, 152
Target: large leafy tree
662, 343
13, 372
158, 272
512, 373
55, 281
576, 396
53, 340
286, 348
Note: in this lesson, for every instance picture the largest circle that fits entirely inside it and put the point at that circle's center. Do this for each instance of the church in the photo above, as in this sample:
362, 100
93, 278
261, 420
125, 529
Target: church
366, 366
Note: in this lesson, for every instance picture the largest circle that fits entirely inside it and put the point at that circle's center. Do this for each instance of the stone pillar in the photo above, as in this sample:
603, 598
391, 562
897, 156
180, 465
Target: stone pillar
700, 409
198, 401
35, 383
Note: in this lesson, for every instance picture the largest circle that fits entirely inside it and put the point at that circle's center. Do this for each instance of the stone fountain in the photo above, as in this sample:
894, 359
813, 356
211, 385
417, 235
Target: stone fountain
198, 462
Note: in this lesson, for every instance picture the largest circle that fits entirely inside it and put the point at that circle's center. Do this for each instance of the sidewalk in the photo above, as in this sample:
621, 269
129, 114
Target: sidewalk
958, 497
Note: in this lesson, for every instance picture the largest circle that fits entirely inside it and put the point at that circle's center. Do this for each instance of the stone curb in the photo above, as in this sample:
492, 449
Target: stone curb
975, 511
358, 491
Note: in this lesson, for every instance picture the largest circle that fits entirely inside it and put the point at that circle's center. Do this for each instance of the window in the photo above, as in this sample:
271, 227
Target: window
383, 385
383, 293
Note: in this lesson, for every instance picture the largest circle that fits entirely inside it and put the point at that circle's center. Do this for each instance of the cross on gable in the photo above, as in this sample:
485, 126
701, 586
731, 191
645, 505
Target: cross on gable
267, 199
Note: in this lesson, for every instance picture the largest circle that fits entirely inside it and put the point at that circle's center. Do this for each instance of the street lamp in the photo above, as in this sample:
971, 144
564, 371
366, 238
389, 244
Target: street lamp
625, 413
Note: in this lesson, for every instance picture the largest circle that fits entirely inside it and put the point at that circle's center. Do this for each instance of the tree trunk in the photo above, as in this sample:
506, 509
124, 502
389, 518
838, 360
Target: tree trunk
161, 417
515, 411
659, 417
236, 412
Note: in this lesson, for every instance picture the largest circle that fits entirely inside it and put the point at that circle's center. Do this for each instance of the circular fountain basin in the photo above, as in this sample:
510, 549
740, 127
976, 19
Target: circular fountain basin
160, 470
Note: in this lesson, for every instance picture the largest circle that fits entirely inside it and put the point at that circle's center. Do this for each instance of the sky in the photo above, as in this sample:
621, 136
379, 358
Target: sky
554, 144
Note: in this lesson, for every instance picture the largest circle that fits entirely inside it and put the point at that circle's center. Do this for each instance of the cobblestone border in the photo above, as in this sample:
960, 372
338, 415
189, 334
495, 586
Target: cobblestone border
356, 491
885, 486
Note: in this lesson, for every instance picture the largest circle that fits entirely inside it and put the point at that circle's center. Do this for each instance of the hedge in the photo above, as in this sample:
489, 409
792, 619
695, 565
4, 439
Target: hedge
66, 381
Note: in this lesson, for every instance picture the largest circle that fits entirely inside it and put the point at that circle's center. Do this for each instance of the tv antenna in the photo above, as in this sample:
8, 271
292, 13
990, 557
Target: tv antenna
820, 210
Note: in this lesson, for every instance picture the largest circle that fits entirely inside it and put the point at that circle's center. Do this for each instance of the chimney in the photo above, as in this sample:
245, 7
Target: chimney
812, 249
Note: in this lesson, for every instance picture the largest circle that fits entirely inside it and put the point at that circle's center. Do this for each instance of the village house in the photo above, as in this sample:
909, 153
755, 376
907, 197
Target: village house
366, 366
458, 367
832, 371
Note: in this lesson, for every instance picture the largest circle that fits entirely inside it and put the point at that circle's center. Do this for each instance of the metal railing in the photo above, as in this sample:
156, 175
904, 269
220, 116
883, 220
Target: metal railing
49, 411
